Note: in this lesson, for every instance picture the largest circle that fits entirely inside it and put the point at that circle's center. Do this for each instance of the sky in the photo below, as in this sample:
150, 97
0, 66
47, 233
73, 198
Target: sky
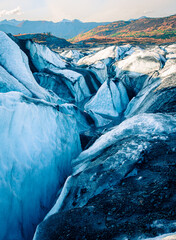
85, 10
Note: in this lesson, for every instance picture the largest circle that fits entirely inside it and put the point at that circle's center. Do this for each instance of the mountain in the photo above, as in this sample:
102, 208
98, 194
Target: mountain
133, 19
143, 30
12, 22
46, 39
63, 29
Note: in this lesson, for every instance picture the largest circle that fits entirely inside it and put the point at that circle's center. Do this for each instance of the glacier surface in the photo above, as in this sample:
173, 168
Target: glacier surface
37, 145
109, 102
15, 62
78, 95
42, 57
145, 126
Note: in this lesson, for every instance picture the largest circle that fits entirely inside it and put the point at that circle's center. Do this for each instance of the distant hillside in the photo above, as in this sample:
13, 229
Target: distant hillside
63, 29
140, 31
46, 39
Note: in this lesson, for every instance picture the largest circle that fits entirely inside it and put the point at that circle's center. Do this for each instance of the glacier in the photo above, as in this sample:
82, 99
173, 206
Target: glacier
101, 70
37, 145
113, 52
37, 140
83, 119
137, 62
116, 182
120, 181
109, 102
9, 83
171, 236
135, 69
15, 62
72, 55
75, 82
148, 126
72, 81
87, 141
42, 57
153, 95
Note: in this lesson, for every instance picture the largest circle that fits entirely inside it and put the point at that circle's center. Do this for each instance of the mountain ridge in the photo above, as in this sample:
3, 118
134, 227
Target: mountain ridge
142, 30
63, 29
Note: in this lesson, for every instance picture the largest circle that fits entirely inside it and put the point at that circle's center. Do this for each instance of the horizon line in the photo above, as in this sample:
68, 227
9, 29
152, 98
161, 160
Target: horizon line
40, 20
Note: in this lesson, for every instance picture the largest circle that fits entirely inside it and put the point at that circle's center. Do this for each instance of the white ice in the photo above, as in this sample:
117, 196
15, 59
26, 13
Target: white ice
135, 103
108, 52
100, 69
15, 62
9, 83
114, 52
169, 236
163, 79
43, 57
75, 55
75, 82
109, 101
79, 115
148, 126
37, 145
139, 62
143, 124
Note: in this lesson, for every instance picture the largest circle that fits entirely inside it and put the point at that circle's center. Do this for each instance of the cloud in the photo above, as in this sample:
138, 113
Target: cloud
16, 11
148, 11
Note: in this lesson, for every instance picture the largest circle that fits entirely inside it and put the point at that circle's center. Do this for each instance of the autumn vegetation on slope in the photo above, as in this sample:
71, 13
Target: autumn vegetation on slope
141, 31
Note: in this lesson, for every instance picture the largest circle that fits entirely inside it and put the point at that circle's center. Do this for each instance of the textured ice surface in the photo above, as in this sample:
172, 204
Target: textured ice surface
135, 103
139, 62
38, 141
109, 101
108, 52
9, 83
170, 236
15, 62
80, 82
100, 69
169, 70
143, 126
75, 55
149, 94
37, 145
75, 82
123, 51
100, 121
43, 57
56, 84
171, 55
106, 101
114, 52
82, 118
171, 51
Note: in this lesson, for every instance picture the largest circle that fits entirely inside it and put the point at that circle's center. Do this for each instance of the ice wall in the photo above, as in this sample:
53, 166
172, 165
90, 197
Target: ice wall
37, 145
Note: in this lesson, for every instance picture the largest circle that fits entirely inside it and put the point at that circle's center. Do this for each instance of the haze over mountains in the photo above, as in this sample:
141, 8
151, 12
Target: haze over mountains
63, 29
